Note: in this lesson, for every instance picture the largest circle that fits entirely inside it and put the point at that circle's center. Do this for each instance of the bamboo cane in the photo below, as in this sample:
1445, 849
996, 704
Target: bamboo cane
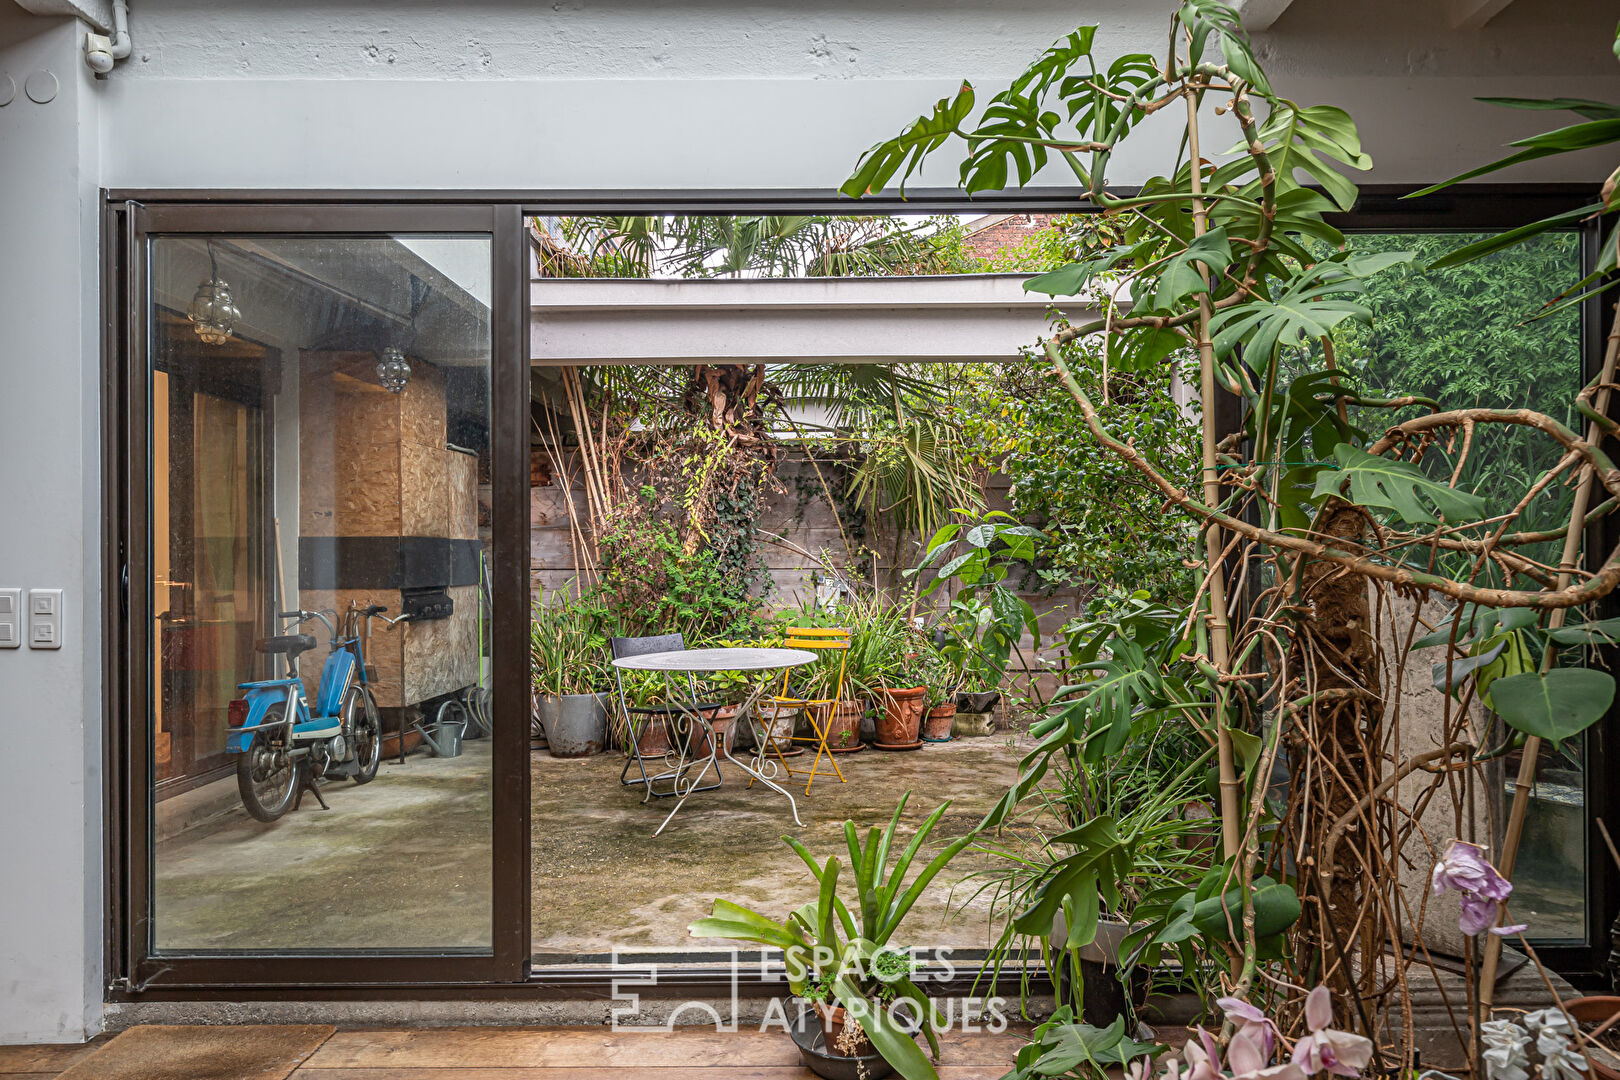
1532, 745
1219, 628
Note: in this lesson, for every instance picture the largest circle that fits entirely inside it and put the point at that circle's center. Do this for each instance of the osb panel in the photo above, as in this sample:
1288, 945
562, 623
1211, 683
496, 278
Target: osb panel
422, 406
385, 652
424, 489
461, 471
441, 655
349, 449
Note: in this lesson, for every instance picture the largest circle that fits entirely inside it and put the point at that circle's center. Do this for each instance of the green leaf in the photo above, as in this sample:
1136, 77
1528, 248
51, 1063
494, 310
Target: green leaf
1460, 669
1602, 632
1395, 485
1276, 908
1591, 110
879, 164
1180, 277
1067, 280
1554, 704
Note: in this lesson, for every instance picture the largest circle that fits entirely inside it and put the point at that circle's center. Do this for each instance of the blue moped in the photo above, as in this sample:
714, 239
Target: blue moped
283, 743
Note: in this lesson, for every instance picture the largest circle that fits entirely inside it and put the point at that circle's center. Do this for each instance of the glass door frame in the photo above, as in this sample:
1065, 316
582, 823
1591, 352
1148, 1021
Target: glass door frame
132, 968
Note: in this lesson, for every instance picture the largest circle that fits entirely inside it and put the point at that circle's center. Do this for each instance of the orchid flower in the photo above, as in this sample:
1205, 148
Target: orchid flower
1341, 1053
1559, 1058
1464, 869
1245, 1016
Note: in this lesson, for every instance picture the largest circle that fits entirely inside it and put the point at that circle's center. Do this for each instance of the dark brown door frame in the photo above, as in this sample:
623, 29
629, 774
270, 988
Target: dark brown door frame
1472, 207
132, 966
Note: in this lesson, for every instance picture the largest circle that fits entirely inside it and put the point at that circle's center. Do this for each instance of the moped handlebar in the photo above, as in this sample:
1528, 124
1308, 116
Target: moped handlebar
305, 616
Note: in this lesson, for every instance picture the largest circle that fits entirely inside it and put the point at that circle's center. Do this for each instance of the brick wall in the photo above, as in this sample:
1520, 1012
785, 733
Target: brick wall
999, 236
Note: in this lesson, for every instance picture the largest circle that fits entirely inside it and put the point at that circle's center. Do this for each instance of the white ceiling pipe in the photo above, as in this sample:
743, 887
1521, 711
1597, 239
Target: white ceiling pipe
102, 51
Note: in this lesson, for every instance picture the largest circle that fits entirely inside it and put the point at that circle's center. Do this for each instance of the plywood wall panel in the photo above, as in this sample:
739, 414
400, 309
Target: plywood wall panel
441, 655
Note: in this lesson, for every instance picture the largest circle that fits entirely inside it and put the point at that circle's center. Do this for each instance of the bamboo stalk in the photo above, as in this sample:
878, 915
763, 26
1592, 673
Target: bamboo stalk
1532, 746
1219, 627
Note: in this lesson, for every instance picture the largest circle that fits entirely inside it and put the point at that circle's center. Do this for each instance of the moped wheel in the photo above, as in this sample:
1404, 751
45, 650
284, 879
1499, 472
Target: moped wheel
266, 776
361, 721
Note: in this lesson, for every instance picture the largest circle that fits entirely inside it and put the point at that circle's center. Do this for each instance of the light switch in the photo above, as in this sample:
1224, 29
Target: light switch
10, 618
44, 618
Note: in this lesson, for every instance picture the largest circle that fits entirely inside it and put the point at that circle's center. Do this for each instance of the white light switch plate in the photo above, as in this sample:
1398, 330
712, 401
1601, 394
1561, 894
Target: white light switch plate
10, 618
44, 618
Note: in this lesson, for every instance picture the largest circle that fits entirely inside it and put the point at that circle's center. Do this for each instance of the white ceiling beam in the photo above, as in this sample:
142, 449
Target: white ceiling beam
1474, 14
98, 13
1260, 14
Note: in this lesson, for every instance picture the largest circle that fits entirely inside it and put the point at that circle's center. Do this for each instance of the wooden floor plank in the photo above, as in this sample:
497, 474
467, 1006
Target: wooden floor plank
574, 1048
721, 1072
49, 1059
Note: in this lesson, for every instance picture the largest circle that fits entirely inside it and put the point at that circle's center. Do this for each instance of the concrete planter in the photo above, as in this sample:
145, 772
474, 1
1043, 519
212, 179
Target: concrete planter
575, 724
973, 725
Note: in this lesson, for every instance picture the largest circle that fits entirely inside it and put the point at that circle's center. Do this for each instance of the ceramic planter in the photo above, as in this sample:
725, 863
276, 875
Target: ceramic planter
724, 725
816, 1056
575, 724
778, 722
937, 722
901, 719
654, 738
1589, 1012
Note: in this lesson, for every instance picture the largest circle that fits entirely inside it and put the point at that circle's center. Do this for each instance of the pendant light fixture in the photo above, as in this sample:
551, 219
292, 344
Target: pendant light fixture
213, 313
393, 367
393, 370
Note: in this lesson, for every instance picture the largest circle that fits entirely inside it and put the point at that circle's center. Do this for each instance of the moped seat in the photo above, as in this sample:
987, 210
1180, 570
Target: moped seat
291, 644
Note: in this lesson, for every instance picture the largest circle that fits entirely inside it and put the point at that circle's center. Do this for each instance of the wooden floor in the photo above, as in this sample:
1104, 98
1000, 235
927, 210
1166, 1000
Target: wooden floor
557, 1054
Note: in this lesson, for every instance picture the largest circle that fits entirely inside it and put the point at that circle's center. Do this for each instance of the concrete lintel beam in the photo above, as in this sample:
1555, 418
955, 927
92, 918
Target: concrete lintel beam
98, 13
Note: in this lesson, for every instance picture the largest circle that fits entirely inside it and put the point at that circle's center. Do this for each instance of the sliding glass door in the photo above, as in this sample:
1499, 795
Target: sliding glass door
322, 693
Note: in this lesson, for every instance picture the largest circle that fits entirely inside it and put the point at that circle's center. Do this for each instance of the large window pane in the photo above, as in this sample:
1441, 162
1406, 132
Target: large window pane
319, 412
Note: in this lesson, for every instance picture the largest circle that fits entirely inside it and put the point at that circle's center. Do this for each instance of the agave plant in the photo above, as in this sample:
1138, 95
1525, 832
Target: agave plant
838, 952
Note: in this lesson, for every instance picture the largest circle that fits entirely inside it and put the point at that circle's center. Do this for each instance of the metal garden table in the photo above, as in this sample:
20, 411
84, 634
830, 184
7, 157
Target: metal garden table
706, 662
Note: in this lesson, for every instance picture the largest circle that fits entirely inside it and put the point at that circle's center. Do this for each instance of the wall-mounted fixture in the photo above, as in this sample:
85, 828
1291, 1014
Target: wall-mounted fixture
393, 370
213, 313
102, 51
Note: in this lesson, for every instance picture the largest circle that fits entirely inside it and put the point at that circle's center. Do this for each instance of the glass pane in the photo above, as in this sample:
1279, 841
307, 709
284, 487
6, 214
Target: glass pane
1462, 336
319, 460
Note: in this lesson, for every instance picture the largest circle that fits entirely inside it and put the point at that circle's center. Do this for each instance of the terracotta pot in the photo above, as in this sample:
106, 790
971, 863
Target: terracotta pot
843, 725
1589, 1012
723, 724
654, 738
832, 1025
937, 723
901, 718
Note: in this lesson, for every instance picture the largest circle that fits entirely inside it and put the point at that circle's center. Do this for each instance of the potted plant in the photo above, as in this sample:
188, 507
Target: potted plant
939, 698
566, 653
840, 957
902, 695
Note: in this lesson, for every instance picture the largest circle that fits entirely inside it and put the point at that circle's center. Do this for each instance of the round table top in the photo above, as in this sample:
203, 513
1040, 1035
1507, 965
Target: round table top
716, 660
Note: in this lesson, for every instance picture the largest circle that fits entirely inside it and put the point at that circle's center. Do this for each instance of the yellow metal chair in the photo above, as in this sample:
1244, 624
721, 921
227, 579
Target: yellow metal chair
815, 638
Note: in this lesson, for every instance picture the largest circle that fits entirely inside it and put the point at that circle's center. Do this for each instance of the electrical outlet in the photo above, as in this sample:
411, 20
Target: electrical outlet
44, 618
10, 618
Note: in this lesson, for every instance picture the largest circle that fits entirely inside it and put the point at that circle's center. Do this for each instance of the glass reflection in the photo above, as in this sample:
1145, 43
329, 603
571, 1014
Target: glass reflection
319, 546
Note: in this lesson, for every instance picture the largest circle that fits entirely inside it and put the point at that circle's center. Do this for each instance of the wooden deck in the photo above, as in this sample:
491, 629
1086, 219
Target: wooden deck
556, 1054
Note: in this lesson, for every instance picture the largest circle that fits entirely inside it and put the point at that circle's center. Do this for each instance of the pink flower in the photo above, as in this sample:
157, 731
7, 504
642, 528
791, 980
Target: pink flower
1341, 1053
1248, 1057
1465, 869
1245, 1016
1203, 1057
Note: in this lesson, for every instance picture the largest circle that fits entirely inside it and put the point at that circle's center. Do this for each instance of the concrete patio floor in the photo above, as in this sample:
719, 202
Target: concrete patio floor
602, 880
403, 862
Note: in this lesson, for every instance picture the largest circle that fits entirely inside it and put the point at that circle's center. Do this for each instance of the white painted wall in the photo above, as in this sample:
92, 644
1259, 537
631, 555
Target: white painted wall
513, 94
50, 526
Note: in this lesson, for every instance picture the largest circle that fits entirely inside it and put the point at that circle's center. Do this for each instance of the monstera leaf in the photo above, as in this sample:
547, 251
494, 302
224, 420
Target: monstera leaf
1395, 485
1553, 704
